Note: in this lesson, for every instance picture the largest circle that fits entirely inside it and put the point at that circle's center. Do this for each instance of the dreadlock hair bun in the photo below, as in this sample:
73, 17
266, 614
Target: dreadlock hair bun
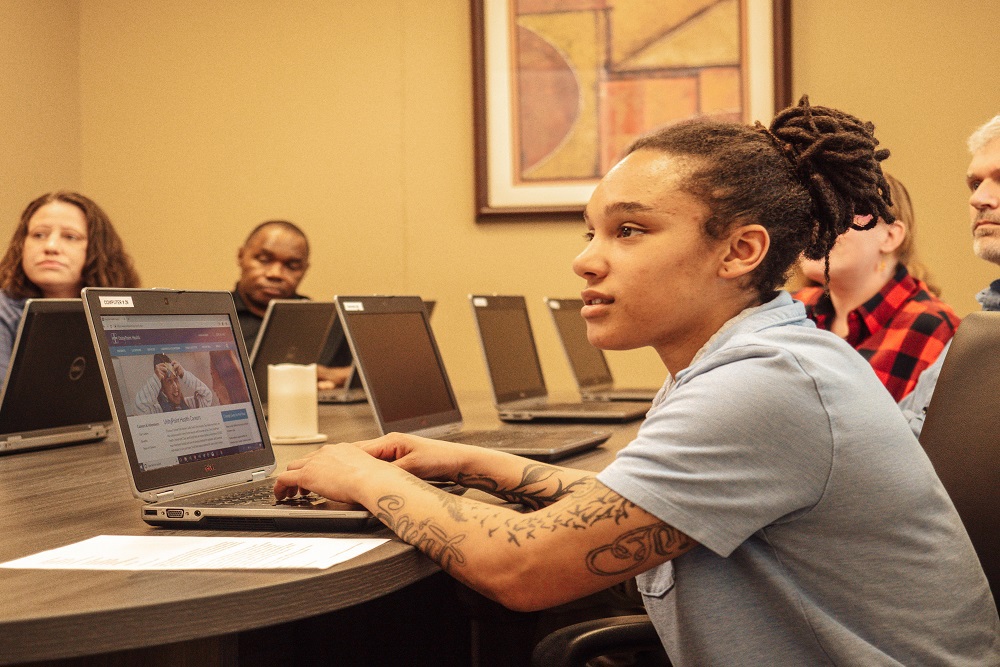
804, 179
834, 156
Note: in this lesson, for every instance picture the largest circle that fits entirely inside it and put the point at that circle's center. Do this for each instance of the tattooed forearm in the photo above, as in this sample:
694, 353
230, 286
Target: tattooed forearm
450, 501
534, 490
632, 549
425, 535
592, 503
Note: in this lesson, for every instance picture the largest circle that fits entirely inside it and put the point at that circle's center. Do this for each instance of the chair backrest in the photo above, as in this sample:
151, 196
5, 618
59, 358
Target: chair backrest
961, 434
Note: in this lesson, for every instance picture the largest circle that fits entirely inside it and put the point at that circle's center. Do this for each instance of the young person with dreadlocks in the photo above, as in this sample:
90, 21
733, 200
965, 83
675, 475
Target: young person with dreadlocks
774, 506
876, 295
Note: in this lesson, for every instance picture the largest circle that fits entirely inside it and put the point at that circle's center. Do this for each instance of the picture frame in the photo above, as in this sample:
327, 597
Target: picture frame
580, 131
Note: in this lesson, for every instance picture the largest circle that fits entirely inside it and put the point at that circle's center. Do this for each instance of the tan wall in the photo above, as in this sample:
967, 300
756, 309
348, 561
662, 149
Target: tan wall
354, 119
918, 70
39, 102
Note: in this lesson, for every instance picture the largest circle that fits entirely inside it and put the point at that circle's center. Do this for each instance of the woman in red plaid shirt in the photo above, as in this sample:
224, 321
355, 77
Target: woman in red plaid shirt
878, 301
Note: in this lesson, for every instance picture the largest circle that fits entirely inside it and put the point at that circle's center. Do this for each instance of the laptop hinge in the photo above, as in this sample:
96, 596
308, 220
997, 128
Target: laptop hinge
258, 475
165, 495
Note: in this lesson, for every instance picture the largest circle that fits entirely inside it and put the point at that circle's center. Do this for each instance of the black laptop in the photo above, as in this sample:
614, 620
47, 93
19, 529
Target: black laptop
516, 372
53, 394
337, 352
590, 368
409, 390
293, 332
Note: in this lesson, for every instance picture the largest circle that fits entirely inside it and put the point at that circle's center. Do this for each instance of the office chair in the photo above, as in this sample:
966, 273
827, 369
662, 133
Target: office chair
575, 645
959, 435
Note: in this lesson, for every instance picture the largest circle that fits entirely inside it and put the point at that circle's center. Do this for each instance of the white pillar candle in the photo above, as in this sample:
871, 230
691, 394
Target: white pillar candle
291, 401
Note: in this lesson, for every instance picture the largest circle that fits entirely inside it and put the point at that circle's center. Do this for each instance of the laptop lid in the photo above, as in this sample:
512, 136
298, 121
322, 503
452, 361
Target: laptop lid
960, 430
508, 345
53, 393
177, 375
337, 351
293, 331
590, 368
400, 365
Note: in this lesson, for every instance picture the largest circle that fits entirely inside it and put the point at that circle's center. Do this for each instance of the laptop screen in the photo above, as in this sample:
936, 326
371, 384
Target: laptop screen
589, 365
182, 388
293, 332
54, 380
509, 346
398, 359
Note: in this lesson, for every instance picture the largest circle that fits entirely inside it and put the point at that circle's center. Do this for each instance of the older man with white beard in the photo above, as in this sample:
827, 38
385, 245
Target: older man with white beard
983, 179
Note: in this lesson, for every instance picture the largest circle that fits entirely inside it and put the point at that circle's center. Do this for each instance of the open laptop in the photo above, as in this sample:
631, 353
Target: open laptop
337, 347
337, 351
516, 372
409, 390
52, 394
293, 332
590, 368
352, 390
188, 417
960, 433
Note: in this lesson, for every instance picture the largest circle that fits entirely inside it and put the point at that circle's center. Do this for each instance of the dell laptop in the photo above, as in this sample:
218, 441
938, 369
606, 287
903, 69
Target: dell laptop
352, 391
339, 351
516, 372
188, 416
293, 332
409, 390
52, 394
590, 368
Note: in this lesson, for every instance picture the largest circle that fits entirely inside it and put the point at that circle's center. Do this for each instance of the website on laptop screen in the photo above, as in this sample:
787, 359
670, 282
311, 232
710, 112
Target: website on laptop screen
183, 387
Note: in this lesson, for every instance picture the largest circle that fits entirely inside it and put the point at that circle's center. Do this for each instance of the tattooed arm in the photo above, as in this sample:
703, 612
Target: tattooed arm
511, 478
583, 538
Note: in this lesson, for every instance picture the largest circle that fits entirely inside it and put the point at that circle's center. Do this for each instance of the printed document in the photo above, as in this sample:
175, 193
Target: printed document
174, 552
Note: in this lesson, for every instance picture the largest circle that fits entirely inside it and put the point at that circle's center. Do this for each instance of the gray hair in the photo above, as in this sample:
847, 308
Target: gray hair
985, 134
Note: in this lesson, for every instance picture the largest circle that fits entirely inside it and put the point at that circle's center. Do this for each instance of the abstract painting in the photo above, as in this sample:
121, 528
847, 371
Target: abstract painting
564, 86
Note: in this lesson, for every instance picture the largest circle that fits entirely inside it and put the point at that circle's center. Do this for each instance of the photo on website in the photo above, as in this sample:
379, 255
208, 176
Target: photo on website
182, 385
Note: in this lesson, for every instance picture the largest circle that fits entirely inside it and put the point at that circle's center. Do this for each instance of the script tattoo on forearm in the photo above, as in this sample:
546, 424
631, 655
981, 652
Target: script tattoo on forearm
592, 503
428, 536
532, 491
632, 549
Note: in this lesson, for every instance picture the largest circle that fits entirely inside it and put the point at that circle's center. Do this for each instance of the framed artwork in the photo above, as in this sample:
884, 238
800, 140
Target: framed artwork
562, 87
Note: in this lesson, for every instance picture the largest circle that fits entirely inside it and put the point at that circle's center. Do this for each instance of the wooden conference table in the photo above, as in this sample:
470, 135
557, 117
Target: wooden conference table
391, 595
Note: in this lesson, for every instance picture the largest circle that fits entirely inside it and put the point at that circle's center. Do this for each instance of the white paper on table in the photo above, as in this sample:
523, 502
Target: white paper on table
174, 552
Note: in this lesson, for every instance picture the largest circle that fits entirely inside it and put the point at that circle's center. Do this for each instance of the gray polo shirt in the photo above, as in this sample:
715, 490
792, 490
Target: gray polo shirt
826, 538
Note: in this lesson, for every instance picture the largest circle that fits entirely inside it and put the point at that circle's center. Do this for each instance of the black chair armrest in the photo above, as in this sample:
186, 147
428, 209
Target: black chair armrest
574, 645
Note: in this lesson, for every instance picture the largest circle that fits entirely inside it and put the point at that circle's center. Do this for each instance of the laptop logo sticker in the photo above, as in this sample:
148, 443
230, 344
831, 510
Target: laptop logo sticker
353, 306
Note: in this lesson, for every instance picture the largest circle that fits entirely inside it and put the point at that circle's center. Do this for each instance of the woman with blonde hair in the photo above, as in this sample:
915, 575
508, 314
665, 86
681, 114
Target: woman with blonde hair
880, 299
63, 243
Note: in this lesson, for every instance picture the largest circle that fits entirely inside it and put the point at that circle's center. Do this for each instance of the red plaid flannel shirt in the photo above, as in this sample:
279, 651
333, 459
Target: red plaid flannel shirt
900, 331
